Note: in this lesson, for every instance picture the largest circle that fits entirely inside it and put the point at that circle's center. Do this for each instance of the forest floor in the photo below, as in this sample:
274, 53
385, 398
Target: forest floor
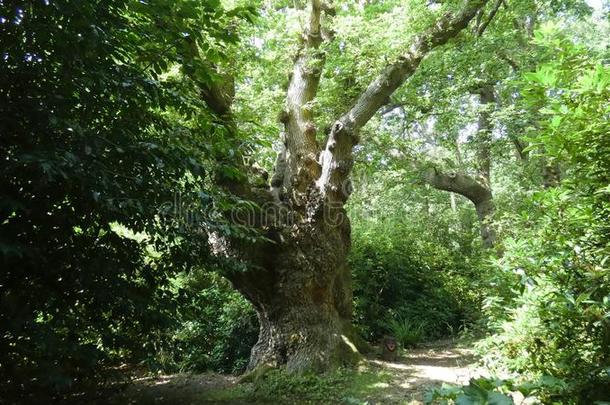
376, 382
424, 368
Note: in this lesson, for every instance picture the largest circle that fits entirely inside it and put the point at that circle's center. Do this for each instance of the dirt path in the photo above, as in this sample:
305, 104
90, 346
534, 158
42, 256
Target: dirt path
424, 368
407, 380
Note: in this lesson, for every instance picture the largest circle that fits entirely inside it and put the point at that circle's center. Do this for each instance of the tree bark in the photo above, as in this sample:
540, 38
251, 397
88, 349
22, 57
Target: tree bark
476, 189
300, 284
483, 136
480, 195
303, 296
485, 211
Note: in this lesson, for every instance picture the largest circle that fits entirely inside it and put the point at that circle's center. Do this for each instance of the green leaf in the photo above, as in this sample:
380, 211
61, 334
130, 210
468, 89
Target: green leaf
497, 398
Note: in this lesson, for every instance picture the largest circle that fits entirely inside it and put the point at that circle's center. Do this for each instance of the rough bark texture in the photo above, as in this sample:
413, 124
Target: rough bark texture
485, 211
300, 284
302, 295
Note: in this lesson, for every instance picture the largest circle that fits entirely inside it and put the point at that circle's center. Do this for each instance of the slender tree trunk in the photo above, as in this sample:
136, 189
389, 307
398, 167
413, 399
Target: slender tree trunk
483, 137
485, 212
476, 188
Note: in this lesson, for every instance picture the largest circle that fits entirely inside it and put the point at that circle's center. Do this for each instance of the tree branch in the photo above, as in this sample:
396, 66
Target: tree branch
483, 136
447, 27
468, 187
299, 135
458, 183
336, 159
492, 14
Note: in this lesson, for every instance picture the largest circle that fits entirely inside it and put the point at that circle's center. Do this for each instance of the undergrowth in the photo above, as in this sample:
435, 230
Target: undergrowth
343, 386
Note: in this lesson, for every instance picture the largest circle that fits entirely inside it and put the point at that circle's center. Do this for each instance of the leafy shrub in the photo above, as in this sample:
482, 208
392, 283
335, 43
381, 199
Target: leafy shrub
217, 328
491, 391
479, 391
408, 333
425, 284
551, 305
94, 139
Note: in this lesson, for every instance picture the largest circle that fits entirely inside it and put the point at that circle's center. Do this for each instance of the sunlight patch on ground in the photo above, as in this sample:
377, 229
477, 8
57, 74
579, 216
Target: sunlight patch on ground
386, 364
419, 370
452, 375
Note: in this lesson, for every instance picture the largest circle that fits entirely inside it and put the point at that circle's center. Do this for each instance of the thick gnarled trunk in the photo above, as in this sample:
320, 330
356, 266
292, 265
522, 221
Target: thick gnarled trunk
300, 283
303, 296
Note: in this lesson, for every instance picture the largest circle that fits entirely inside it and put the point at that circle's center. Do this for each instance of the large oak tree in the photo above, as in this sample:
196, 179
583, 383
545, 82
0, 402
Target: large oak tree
298, 280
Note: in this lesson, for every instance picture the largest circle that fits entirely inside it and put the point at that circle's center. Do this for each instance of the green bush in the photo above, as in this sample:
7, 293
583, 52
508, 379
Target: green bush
217, 329
491, 391
550, 307
410, 281
407, 333
95, 145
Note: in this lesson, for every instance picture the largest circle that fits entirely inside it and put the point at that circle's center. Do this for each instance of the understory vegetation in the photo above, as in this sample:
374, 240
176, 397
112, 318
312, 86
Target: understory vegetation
340, 387
138, 144
410, 287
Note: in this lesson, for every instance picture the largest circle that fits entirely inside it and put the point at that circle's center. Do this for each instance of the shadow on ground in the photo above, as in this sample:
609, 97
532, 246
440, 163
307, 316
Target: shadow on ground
404, 382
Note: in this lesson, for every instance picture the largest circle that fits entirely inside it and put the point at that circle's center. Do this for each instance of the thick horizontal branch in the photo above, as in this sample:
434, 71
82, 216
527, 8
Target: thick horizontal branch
458, 183
477, 193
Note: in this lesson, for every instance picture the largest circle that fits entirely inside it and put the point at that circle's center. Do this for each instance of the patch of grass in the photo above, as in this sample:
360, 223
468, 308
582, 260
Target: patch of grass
344, 386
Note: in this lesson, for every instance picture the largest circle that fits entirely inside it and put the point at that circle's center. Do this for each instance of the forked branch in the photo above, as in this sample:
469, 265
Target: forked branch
336, 158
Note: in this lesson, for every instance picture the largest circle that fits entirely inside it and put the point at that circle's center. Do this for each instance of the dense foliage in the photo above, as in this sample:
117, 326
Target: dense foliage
416, 269
543, 294
215, 329
558, 249
111, 161
101, 141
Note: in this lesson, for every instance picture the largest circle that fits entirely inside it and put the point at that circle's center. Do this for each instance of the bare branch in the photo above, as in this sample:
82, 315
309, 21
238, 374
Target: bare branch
457, 183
